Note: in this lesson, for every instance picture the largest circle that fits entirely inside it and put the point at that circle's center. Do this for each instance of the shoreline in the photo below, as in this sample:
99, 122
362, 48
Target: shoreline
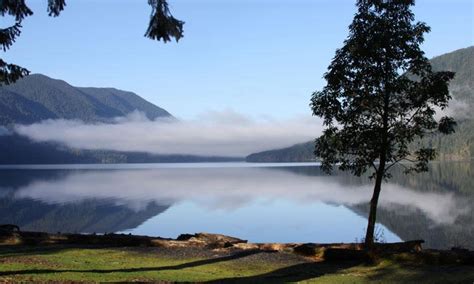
211, 258
218, 242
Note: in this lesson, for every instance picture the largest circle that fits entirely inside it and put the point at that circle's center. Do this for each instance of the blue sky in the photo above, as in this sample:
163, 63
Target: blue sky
260, 58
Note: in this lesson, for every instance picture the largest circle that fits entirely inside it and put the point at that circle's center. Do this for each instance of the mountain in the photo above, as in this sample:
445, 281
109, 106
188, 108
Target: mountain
462, 62
38, 97
297, 153
125, 102
458, 146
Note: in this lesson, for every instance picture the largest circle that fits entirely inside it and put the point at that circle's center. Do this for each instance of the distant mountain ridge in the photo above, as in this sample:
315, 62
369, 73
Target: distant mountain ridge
297, 153
37, 97
458, 146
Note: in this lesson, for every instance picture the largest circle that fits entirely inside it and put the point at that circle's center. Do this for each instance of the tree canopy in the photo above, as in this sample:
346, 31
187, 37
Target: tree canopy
162, 27
381, 97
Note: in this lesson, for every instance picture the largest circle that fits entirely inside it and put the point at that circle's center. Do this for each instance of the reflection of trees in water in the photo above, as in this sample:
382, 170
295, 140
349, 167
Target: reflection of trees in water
409, 223
344, 178
14, 179
455, 177
86, 216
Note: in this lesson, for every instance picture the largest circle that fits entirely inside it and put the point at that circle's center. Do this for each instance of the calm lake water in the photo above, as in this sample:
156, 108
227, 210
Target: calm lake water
257, 202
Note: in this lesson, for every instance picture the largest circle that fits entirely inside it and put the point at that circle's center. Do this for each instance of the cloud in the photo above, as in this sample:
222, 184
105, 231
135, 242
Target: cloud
457, 109
224, 133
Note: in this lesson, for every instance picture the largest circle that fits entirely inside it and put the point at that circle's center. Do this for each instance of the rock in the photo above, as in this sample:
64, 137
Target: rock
246, 246
276, 247
317, 250
211, 240
169, 243
309, 250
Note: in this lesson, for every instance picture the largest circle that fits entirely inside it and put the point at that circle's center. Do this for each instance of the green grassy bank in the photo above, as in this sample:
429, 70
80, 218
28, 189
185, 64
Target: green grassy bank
80, 263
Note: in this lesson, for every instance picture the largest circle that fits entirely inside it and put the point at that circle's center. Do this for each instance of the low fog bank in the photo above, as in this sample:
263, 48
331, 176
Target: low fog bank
218, 133
225, 133
458, 109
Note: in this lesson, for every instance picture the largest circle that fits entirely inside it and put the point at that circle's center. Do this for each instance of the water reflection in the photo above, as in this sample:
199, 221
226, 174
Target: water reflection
261, 204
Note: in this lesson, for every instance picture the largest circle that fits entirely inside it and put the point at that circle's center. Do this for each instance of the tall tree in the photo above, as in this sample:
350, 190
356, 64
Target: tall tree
162, 26
381, 97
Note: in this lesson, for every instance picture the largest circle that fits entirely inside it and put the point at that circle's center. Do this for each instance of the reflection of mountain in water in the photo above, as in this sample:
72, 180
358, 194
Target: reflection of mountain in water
455, 178
85, 216
410, 224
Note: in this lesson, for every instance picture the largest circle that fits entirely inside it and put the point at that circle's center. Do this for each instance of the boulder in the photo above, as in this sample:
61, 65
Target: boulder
210, 240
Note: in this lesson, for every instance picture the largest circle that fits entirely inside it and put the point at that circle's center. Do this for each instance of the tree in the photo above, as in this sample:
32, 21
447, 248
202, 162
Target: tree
162, 26
380, 98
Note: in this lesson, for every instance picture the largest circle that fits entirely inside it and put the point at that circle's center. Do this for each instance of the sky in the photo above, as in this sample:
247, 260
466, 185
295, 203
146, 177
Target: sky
261, 58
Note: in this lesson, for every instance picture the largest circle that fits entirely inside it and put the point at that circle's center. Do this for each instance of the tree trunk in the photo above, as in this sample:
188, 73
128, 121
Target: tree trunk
369, 236
380, 172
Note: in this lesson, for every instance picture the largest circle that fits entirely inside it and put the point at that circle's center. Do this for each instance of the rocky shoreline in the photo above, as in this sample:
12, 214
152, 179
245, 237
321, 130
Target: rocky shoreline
222, 243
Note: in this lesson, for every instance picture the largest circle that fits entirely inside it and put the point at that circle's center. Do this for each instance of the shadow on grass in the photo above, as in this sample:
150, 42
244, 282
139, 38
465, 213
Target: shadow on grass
294, 273
297, 272
8, 251
417, 273
139, 269
393, 274
405, 271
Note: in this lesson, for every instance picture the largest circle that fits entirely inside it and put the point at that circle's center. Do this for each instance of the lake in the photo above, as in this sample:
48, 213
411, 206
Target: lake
257, 202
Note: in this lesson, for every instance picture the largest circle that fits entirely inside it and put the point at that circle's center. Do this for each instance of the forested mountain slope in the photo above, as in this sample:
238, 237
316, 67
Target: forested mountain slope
38, 97
458, 146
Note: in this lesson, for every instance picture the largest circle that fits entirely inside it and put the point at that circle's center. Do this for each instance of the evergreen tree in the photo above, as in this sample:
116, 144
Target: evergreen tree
380, 97
163, 26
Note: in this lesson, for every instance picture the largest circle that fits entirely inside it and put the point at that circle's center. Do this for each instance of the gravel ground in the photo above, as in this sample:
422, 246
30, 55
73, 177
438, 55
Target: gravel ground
242, 257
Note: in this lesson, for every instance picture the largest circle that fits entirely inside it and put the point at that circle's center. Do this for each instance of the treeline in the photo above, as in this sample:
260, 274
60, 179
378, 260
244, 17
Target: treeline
298, 153
15, 149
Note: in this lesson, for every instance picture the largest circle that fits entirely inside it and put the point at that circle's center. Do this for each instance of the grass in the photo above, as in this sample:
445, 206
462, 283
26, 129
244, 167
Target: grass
67, 263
